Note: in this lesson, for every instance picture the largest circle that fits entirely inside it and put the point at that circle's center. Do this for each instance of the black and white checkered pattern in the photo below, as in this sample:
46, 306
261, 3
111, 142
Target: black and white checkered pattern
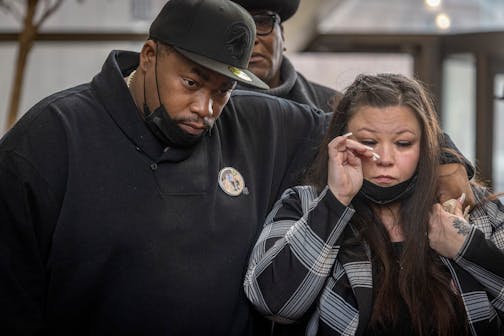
298, 268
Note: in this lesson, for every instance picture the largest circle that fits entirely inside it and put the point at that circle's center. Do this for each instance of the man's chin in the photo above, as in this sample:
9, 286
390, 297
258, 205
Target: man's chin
260, 71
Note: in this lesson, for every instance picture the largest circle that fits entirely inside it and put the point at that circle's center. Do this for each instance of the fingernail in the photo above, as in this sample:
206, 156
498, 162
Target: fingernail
347, 135
462, 198
375, 156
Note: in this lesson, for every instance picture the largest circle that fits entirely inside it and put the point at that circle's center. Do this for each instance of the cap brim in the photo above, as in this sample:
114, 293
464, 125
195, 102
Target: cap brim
241, 75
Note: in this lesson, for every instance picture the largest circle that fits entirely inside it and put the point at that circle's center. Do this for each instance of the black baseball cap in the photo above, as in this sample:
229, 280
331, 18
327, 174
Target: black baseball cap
217, 34
284, 8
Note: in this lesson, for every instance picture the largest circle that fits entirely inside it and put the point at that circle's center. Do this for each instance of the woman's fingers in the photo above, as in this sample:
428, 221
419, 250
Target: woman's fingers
362, 150
344, 169
343, 144
447, 229
455, 206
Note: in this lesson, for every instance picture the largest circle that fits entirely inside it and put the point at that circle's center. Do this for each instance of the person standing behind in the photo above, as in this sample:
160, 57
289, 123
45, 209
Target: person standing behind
129, 205
364, 248
269, 63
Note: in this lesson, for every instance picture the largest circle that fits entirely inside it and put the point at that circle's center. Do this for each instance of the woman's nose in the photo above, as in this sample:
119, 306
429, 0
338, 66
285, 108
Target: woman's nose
386, 154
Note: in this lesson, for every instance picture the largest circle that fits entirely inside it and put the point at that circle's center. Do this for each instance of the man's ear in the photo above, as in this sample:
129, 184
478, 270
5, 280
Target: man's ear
147, 54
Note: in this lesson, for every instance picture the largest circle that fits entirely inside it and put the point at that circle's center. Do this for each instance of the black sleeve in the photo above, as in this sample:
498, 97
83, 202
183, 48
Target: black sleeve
32, 159
26, 206
311, 124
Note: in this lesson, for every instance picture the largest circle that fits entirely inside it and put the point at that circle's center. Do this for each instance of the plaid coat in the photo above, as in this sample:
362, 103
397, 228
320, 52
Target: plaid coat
297, 267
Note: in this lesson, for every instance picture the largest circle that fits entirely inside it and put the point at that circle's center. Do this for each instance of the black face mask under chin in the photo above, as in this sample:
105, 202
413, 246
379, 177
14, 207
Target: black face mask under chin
387, 195
167, 130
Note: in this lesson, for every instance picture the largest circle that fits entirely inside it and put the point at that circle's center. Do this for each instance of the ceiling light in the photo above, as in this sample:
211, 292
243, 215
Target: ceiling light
443, 21
433, 3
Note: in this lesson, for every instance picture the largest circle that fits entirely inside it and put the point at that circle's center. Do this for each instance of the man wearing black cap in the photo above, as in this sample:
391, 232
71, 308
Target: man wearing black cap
269, 63
129, 205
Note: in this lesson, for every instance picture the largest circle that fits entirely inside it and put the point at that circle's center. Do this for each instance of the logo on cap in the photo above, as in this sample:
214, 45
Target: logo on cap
231, 181
237, 41
238, 73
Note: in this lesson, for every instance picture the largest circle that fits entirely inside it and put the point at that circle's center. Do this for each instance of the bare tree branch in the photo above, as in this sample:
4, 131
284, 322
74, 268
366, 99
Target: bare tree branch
12, 9
48, 10
27, 36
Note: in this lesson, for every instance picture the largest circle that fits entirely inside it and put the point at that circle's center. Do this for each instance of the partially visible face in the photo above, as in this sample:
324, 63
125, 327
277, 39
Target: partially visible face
452, 182
189, 92
394, 133
267, 54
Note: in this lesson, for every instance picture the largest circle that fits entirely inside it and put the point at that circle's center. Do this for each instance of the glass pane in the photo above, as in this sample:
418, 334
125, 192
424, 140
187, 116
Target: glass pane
90, 15
338, 70
412, 16
498, 154
458, 111
41, 78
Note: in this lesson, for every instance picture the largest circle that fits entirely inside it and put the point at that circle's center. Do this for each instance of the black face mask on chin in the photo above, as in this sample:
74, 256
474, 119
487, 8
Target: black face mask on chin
167, 130
387, 195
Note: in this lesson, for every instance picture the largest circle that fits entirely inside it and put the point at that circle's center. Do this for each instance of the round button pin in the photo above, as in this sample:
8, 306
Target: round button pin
231, 181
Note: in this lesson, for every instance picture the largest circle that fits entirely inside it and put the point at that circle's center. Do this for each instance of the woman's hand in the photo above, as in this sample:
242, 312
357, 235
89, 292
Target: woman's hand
448, 231
345, 167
